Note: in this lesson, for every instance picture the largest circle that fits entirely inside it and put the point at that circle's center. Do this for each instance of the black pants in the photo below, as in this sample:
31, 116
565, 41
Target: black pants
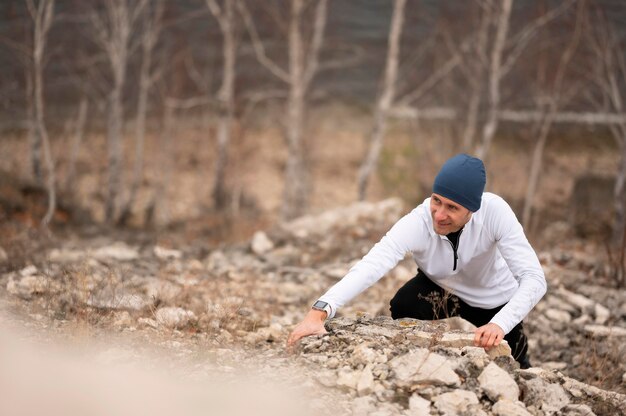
421, 298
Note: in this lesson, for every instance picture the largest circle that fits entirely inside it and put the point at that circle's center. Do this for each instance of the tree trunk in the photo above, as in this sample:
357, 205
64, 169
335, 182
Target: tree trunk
114, 137
79, 132
495, 76
226, 97
296, 187
385, 100
33, 134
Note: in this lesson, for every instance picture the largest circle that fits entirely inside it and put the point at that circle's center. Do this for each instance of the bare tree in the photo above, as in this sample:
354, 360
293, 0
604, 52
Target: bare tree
385, 99
42, 14
504, 53
609, 75
79, 131
147, 76
113, 28
554, 100
303, 65
495, 76
225, 15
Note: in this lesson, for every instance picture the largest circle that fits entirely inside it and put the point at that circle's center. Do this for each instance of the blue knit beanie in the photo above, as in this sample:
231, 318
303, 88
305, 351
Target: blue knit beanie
462, 179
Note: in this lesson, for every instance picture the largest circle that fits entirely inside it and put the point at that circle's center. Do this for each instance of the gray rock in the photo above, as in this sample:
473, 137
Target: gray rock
455, 402
64, 255
172, 317
28, 271
578, 410
549, 397
580, 301
423, 366
506, 407
498, 384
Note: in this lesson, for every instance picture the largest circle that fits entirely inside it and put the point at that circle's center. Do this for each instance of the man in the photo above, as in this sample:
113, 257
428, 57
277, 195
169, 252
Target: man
473, 261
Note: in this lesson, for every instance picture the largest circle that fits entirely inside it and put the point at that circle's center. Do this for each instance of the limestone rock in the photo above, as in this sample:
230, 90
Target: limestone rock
455, 402
107, 300
602, 314
167, 253
261, 243
605, 331
418, 405
31, 285
506, 407
172, 317
498, 384
348, 380
365, 384
549, 397
578, 410
65, 255
423, 366
118, 251
558, 315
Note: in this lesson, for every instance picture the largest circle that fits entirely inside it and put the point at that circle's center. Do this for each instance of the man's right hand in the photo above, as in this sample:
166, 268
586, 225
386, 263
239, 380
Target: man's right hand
313, 324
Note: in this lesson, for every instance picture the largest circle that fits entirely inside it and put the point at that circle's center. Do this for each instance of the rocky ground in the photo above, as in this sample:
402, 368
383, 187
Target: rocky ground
214, 314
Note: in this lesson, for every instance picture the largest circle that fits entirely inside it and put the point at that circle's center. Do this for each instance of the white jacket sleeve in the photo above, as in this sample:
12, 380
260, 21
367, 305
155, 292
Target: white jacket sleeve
384, 256
523, 263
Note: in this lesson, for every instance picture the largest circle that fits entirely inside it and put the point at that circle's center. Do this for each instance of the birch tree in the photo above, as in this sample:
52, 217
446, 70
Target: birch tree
554, 101
113, 29
42, 13
149, 37
385, 99
303, 64
503, 54
609, 76
225, 16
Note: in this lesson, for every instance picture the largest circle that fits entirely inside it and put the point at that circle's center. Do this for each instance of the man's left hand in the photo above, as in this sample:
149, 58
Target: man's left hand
488, 336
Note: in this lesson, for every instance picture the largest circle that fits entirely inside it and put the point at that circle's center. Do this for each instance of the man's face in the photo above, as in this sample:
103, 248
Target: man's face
448, 216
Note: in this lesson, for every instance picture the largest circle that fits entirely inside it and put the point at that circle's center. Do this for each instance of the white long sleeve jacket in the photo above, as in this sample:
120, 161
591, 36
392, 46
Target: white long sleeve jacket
496, 264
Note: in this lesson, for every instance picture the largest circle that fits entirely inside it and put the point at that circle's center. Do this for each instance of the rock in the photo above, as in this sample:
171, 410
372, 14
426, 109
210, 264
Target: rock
578, 410
554, 365
148, 322
348, 380
363, 406
418, 405
31, 285
506, 407
455, 402
549, 397
167, 253
172, 317
580, 301
602, 314
66, 255
122, 319
28, 271
261, 243
365, 385
498, 384
117, 251
363, 355
423, 366
558, 315
160, 289
119, 301
605, 331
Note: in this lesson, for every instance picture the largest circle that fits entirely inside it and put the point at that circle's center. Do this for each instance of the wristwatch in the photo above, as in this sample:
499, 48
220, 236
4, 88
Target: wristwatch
320, 305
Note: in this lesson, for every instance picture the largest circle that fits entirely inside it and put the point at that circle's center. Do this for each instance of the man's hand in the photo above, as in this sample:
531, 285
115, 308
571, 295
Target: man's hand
313, 324
488, 336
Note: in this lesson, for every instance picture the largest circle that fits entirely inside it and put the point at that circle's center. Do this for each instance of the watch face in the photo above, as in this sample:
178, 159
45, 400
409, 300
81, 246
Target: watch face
320, 304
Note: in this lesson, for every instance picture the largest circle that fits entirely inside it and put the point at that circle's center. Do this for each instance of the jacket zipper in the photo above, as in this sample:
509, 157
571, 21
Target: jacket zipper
455, 247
